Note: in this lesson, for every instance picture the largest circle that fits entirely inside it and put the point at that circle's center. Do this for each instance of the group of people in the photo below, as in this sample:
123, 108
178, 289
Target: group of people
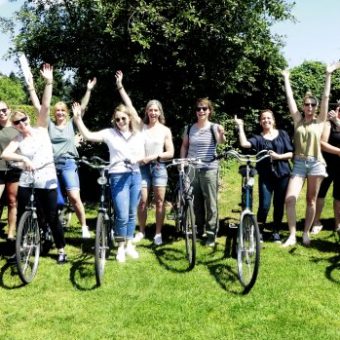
49, 149
315, 151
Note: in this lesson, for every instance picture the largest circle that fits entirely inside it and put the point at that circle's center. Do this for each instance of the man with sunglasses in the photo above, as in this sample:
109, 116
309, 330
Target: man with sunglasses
201, 142
9, 178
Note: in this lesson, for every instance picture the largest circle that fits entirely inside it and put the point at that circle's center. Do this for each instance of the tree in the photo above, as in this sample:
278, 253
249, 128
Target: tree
175, 51
11, 90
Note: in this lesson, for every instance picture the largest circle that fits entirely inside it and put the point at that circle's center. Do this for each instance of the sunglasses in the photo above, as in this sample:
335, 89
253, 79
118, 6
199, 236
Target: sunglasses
22, 120
310, 104
4, 110
199, 108
117, 120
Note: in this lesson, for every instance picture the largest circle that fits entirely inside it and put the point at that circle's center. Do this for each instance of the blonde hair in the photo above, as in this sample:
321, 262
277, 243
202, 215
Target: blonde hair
63, 106
160, 108
309, 95
133, 126
16, 115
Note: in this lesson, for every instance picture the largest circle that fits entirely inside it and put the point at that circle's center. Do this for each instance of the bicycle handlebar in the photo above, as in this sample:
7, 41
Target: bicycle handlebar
261, 155
96, 162
183, 161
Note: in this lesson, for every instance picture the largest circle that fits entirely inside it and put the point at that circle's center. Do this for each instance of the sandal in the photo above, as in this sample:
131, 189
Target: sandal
316, 229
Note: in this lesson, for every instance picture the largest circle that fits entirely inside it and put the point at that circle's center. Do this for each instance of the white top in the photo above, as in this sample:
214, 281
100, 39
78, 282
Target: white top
154, 142
123, 145
38, 148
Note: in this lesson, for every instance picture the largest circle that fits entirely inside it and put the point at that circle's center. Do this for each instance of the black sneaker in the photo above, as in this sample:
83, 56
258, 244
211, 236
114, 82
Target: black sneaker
62, 258
276, 238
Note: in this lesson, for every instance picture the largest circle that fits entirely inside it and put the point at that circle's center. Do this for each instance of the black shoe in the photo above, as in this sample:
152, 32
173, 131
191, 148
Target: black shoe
62, 258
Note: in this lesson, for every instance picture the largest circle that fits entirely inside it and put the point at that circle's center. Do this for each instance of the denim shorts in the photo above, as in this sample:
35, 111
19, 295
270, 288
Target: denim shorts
67, 172
154, 174
308, 167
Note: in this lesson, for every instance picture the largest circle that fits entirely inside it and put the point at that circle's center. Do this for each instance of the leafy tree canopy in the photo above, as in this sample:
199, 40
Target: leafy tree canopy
175, 51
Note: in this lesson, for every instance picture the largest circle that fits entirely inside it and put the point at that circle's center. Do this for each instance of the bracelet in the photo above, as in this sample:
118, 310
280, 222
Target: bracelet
49, 82
119, 88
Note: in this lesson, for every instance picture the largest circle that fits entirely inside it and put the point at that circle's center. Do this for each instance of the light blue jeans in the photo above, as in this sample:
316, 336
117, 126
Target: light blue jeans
125, 191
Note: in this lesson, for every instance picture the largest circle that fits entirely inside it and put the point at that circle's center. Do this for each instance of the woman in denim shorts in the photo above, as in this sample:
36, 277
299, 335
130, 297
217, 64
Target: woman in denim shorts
62, 134
158, 146
309, 163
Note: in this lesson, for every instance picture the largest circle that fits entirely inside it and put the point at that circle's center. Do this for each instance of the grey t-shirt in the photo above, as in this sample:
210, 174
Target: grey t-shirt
63, 139
7, 134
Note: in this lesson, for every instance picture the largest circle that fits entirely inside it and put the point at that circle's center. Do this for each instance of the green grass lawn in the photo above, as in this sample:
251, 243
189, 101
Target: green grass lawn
296, 295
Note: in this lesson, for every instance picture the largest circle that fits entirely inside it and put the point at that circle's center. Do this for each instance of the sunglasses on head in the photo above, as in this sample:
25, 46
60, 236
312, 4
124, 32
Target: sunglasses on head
310, 104
117, 120
199, 108
4, 110
17, 122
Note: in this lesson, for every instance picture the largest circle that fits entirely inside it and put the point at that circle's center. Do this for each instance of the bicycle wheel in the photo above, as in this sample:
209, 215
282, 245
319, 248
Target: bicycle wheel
101, 247
27, 247
190, 234
248, 251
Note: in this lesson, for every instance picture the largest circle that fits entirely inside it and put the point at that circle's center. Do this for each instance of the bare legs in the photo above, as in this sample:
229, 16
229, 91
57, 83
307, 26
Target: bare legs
77, 204
294, 188
159, 195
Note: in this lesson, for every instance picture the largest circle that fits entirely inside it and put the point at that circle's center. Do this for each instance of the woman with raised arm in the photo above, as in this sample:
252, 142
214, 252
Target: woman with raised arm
124, 142
62, 134
33, 148
330, 145
308, 161
200, 141
9, 178
273, 173
158, 146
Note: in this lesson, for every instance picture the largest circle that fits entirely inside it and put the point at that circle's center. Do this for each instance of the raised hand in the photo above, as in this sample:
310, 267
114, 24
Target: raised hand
47, 72
332, 67
91, 83
76, 109
285, 72
238, 121
119, 78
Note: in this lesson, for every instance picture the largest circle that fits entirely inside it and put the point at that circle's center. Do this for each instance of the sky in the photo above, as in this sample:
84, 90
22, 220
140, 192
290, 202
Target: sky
315, 36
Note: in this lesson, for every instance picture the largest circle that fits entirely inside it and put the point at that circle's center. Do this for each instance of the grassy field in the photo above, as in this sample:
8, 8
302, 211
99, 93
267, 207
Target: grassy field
155, 297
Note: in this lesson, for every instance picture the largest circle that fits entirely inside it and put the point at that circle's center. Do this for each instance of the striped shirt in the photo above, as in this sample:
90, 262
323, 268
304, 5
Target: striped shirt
202, 145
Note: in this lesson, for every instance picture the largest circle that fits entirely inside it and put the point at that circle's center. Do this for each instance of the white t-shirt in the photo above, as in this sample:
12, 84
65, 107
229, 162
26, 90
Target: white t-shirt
123, 145
38, 148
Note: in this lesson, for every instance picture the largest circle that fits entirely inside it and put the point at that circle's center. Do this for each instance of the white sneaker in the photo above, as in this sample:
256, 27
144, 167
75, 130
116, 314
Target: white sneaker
291, 241
85, 231
120, 257
157, 240
131, 251
138, 237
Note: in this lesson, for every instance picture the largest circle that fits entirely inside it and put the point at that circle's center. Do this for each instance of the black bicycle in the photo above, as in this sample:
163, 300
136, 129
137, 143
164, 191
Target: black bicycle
248, 234
104, 239
183, 211
33, 237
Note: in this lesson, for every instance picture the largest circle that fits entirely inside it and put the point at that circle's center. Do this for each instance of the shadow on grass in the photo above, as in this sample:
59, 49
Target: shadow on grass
9, 277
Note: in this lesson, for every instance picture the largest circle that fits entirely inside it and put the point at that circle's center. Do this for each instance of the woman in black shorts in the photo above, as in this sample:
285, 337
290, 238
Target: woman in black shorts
9, 178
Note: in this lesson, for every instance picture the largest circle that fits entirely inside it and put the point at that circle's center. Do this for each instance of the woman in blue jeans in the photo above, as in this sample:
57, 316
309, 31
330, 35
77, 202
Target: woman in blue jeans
274, 172
125, 142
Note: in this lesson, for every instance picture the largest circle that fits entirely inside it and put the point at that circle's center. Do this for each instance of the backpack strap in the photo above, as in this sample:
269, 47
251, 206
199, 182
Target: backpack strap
212, 125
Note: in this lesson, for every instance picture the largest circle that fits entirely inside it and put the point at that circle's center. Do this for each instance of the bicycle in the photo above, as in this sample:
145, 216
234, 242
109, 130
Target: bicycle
183, 206
104, 239
248, 234
32, 237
